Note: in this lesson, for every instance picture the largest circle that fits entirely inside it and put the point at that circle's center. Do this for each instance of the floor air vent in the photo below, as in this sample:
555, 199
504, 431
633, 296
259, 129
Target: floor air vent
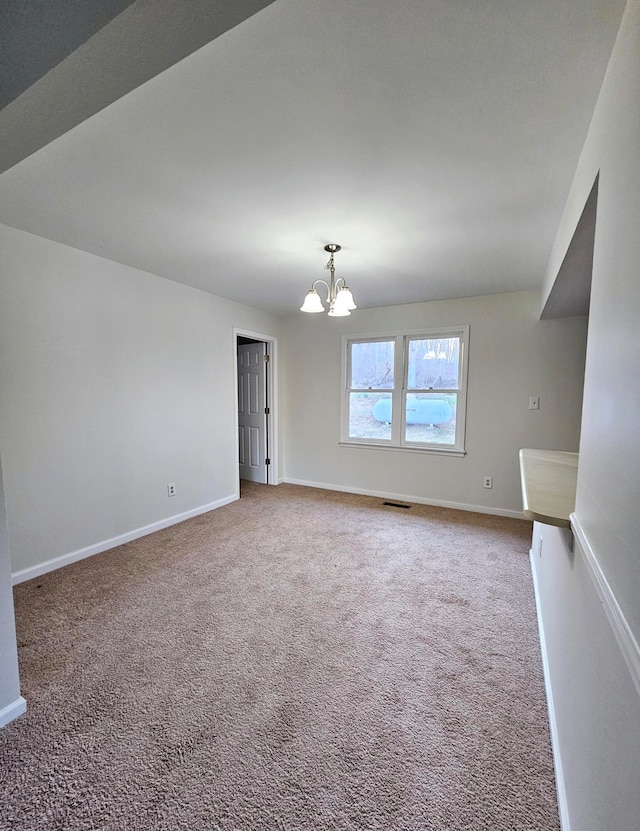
397, 505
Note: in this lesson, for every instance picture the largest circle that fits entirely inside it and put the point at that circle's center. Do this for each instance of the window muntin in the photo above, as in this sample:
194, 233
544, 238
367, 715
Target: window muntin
407, 390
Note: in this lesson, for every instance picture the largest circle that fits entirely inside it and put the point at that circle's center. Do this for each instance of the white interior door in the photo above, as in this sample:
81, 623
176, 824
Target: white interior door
252, 416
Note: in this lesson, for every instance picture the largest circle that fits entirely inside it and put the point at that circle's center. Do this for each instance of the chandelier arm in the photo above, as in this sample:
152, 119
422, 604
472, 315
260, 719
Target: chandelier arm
324, 283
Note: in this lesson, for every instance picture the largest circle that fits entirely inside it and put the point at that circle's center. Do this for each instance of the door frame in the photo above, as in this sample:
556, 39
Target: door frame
273, 470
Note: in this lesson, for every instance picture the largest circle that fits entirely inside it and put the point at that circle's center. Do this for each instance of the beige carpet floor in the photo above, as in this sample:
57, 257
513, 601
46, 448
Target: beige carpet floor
297, 660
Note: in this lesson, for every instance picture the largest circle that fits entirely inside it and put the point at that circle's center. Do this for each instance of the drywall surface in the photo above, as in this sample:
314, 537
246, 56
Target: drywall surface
512, 355
140, 42
595, 708
11, 703
114, 383
608, 492
591, 673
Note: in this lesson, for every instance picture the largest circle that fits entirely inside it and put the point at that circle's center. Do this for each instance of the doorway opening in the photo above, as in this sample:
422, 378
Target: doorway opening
256, 407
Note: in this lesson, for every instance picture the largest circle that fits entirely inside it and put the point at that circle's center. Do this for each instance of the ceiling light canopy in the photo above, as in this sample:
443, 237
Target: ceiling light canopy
339, 295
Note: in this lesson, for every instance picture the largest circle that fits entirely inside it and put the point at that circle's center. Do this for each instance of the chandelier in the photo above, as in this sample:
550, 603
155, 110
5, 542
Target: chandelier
339, 295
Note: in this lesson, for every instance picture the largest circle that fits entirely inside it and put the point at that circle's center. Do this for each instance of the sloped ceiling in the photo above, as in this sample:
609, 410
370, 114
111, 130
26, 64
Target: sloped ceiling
570, 295
36, 36
61, 61
434, 140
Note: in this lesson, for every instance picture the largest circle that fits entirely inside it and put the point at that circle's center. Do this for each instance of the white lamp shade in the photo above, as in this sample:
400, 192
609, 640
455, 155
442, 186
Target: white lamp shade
312, 302
345, 298
338, 311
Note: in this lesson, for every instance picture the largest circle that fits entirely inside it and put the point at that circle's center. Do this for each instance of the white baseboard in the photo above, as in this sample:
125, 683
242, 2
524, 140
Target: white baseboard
403, 497
563, 807
12, 711
621, 629
73, 556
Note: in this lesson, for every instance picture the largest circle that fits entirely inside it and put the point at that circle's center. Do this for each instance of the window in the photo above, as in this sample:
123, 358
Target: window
407, 390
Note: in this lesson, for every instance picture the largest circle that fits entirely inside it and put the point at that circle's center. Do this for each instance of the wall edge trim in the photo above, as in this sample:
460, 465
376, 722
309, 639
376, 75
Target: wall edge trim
97, 548
437, 503
563, 805
12, 711
621, 629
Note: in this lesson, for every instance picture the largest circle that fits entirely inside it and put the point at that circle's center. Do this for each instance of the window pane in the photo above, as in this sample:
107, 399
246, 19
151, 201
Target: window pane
431, 419
369, 415
372, 365
433, 364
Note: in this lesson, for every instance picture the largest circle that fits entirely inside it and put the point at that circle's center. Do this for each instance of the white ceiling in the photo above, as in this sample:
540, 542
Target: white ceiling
435, 140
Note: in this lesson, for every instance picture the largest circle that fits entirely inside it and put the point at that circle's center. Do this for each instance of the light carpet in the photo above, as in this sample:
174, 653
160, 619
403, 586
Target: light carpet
299, 659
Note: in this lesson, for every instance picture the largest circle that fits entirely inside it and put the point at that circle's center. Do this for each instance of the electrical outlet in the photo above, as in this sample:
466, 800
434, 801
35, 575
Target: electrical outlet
534, 402
171, 489
488, 481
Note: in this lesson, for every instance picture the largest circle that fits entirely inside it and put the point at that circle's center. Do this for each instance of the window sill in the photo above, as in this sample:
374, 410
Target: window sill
436, 451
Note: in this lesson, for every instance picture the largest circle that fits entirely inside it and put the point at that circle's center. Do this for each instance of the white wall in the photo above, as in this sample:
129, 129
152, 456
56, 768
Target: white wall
595, 708
11, 702
114, 383
593, 691
513, 355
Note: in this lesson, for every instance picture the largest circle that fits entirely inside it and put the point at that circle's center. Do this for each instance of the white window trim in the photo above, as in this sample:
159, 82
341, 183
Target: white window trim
396, 442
